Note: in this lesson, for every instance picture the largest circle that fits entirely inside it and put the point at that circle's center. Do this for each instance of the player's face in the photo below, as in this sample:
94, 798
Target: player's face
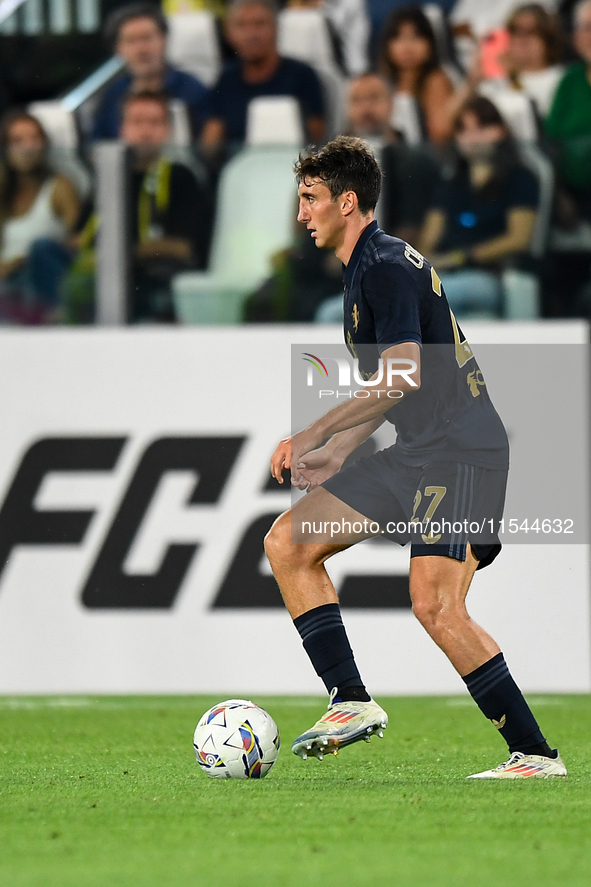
252, 32
145, 127
582, 34
408, 50
320, 214
25, 146
142, 45
369, 106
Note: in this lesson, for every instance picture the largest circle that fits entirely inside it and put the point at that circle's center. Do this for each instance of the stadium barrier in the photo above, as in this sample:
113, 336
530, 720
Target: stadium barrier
135, 494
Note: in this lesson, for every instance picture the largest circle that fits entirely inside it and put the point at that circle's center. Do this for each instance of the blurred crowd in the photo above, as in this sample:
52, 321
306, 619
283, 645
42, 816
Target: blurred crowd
480, 114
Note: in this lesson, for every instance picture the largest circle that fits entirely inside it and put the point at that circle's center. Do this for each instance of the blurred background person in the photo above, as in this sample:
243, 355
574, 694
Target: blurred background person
38, 211
478, 19
482, 217
349, 27
534, 54
137, 33
170, 221
529, 69
379, 10
258, 70
569, 121
410, 172
408, 59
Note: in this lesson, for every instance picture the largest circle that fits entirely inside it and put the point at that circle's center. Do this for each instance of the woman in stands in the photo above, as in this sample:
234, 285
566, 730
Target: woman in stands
38, 212
408, 58
482, 218
534, 54
531, 62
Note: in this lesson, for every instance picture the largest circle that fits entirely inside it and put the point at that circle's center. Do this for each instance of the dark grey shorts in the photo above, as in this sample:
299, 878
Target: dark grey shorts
439, 507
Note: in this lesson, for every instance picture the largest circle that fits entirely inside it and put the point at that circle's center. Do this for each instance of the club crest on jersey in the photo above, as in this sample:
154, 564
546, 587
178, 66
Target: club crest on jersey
475, 379
355, 316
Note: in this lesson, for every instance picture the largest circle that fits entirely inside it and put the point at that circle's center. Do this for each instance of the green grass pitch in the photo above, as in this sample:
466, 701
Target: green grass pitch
106, 792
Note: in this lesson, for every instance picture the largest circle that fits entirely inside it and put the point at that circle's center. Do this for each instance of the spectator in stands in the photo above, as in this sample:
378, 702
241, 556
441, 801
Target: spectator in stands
534, 54
170, 217
531, 62
482, 218
409, 60
137, 33
478, 19
259, 70
410, 173
569, 121
38, 210
349, 28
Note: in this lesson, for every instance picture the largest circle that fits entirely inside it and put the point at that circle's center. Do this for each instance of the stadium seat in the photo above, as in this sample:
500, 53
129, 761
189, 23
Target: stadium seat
60, 125
181, 127
521, 289
274, 120
539, 164
57, 121
68, 163
303, 34
406, 118
249, 229
443, 39
193, 45
333, 84
515, 107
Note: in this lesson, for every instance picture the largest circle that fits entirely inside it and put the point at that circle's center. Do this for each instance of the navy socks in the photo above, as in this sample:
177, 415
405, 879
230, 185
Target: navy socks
325, 641
501, 701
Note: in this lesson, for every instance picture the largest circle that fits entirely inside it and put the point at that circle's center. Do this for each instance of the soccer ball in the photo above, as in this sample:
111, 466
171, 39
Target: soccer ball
236, 739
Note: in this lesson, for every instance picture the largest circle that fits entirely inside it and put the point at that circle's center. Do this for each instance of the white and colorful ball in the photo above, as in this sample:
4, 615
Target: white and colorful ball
236, 739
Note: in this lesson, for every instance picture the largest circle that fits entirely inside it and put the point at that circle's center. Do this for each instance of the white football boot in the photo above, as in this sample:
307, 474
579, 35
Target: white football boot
343, 724
521, 766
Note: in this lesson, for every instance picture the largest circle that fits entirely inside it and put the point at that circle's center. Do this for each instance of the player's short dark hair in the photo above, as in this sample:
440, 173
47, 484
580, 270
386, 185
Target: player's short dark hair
156, 97
133, 10
345, 164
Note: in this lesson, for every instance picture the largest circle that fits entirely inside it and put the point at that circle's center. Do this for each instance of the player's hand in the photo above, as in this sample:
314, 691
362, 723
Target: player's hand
302, 443
281, 459
318, 466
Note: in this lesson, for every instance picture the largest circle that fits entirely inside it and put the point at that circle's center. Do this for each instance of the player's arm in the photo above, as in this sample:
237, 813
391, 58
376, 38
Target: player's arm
165, 248
65, 202
213, 133
319, 465
322, 463
405, 358
516, 239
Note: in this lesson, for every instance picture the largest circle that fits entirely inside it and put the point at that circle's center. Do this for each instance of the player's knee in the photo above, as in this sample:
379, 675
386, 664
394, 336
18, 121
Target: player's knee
277, 539
427, 610
278, 542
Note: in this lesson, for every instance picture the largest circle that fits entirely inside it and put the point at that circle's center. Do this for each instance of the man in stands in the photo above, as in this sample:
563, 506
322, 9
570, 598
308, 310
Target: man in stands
137, 33
259, 70
170, 218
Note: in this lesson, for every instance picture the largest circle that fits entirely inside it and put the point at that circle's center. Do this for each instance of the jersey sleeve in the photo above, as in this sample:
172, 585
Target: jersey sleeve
391, 295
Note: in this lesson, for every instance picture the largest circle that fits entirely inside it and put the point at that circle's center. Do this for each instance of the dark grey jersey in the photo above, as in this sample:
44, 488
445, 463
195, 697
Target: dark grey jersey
393, 295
